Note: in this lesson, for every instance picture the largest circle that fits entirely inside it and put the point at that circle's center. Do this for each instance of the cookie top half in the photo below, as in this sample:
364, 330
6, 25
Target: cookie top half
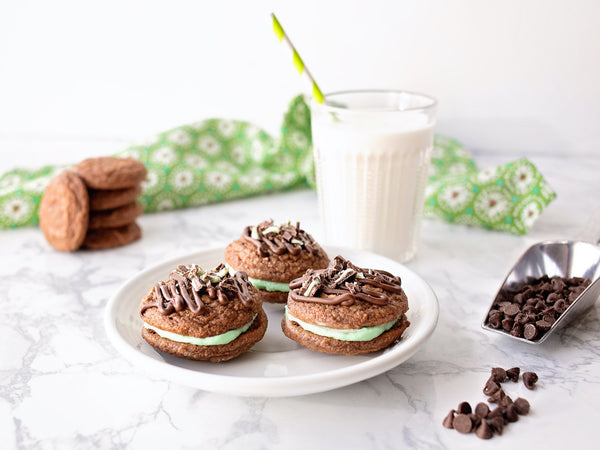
64, 211
198, 303
108, 172
275, 253
346, 296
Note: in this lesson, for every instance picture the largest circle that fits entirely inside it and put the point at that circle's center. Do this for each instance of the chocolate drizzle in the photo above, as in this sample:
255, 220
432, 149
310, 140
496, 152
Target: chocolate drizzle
342, 283
277, 240
187, 284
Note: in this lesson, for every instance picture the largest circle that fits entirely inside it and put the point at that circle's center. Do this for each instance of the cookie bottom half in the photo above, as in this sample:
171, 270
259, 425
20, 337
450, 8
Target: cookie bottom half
212, 353
337, 347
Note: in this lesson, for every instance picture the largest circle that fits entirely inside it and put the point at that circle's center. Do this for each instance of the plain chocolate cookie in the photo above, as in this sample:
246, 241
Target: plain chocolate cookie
64, 211
108, 172
105, 200
103, 238
117, 217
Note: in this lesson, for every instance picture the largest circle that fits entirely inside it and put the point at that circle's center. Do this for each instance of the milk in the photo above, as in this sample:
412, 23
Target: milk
371, 173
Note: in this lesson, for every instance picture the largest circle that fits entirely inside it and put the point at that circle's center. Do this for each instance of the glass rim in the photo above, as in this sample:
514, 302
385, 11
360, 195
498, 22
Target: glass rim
432, 102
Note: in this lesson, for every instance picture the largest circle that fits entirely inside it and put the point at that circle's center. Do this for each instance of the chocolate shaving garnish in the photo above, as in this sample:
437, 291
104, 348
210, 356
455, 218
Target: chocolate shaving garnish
187, 284
277, 240
343, 283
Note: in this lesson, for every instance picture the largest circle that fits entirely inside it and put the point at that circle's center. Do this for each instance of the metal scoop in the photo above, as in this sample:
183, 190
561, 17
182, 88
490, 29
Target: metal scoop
554, 258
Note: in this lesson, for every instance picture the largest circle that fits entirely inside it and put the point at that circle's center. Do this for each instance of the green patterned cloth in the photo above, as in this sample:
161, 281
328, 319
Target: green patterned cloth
216, 159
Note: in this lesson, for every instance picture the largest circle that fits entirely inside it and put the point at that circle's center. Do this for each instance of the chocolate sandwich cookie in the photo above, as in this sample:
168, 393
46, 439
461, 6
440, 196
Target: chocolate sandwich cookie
64, 211
108, 172
212, 316
272, 256
104, 238
117, 217
115, 198
345, 309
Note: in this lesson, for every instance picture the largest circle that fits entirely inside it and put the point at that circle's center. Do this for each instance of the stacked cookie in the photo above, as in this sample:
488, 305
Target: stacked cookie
93, 205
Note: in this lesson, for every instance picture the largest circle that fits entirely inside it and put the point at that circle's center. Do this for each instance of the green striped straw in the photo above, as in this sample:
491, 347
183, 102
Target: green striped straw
282, 36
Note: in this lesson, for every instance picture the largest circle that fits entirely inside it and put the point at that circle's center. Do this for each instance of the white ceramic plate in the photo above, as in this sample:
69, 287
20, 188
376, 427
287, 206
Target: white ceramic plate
276, 366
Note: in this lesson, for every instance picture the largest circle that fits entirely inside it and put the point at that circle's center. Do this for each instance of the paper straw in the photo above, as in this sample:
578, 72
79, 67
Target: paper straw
282, 36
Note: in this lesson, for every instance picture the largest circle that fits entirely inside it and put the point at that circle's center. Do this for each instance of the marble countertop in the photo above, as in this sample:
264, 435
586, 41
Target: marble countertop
63, 385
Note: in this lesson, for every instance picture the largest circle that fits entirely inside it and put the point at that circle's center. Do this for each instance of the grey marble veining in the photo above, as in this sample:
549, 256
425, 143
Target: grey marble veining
62, 385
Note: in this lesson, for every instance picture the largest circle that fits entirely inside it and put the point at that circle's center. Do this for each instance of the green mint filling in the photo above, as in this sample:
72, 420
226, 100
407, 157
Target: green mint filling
219, 339
360, 334
265, 285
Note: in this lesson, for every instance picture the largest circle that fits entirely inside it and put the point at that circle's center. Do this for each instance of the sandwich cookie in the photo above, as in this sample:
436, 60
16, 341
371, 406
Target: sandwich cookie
345, 309
203, 315
272, 256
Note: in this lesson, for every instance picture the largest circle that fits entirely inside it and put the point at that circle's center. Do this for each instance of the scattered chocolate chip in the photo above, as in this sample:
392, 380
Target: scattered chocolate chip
511, 413
498, 374
464, 408
462, 423
497, 396
496, 424
475, 420
447, 422
484, 431
529, 379
513, 374
491, 387
522, 406
482, 409
504, 401
496, 412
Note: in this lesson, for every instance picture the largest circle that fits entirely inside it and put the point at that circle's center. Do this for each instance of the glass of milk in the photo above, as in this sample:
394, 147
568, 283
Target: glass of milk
372, 150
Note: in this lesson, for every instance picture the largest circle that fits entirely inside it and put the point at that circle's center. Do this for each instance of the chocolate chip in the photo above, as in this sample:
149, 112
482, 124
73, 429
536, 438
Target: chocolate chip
543, 325
517, 330
462, 423
482, 409
530, 332
464, 408
511, 310
510, 413
497, 396
495, 319
521, 318
560, 306
491, 387
522, 406
447, 422
498, 374
475, 420
496, 424
484, 431
507, 323
529, 379
496, 412
553, 297
504, 401
513, 374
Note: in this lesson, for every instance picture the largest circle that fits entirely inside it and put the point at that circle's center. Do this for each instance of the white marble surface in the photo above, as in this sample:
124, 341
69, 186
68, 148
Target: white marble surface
62, 385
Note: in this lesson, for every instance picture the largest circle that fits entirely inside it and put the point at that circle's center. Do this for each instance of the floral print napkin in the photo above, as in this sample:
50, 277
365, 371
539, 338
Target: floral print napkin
218, 159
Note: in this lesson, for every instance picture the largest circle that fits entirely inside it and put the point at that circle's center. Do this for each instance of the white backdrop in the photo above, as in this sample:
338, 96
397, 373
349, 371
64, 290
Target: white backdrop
517, 76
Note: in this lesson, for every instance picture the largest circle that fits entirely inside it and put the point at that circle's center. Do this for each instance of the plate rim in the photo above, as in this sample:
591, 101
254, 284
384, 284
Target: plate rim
276, 386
